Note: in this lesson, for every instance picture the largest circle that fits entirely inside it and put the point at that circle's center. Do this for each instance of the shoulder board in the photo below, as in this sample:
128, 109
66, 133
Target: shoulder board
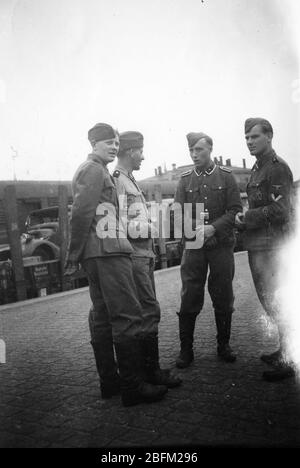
225, 169
186, 173
116, 173
275, 158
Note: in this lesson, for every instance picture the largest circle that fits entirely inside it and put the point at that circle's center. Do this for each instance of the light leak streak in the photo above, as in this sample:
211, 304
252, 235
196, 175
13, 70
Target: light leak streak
288, 293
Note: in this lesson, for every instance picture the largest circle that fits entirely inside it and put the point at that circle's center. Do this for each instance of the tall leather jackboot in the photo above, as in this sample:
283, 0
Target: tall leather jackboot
282, 370
150, 361
223, 323
106, 366
274, 358
134, 389
186, 335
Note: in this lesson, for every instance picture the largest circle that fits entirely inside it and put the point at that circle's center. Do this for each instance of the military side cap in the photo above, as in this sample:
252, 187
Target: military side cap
251, 122
131, 140
193, 137
100, 132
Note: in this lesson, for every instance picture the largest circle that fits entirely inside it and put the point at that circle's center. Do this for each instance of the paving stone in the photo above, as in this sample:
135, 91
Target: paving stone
49, 394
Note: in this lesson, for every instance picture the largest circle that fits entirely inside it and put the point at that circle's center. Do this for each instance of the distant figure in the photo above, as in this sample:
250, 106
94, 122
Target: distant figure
214, 187
98, 241
266, 225
130, 157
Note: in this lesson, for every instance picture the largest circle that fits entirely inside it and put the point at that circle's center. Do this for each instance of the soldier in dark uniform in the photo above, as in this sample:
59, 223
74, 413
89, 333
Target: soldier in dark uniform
266, 225
130, 157
215, 187
98, 241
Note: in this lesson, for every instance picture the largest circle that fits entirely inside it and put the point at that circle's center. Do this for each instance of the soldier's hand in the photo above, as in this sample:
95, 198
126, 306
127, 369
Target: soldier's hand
239, 219
71, 267
209, 231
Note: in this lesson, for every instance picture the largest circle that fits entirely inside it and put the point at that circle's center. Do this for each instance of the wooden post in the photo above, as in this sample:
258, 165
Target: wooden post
11, 214
146, 195
63, 229
161, 240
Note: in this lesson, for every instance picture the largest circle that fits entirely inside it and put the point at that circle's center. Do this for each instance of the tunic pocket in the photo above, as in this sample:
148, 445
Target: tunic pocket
116, 246
258, 193
192, 195
218, 194
109, 191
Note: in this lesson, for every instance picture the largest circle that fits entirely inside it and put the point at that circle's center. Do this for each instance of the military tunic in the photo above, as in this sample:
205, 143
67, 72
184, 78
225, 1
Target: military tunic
107, 261
131, 196
92, 188
217, 189
267, 220
267, 224
134, 211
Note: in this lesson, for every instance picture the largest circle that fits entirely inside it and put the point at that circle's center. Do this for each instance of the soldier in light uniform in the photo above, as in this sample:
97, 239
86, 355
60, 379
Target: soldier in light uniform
134, 209
215, 187
266, 226
98, 241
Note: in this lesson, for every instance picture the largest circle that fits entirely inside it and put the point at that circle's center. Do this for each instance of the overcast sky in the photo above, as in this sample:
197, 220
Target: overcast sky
163, 67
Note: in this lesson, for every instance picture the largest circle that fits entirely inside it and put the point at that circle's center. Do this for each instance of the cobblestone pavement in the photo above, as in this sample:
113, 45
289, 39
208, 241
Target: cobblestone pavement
49, 393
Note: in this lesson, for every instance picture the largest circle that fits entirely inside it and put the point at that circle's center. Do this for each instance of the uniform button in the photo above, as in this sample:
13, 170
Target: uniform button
204, 186
205, 222
205, 198
206, 209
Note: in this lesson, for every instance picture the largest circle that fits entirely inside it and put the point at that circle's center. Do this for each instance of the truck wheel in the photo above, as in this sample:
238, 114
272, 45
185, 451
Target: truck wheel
44, 252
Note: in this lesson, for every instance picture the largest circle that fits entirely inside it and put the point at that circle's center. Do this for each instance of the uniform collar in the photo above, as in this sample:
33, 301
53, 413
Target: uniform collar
262, 160
123, 171
208, 171
95, 158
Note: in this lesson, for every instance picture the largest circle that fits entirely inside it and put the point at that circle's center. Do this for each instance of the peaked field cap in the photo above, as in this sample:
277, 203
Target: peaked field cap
193, 137
131, 140
101, 131
251, 122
